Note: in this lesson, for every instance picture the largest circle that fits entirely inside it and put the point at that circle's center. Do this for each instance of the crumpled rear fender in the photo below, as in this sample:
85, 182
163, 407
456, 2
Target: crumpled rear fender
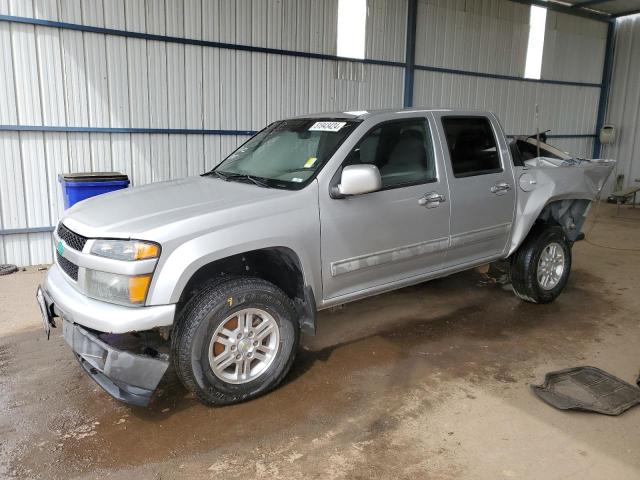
562, 194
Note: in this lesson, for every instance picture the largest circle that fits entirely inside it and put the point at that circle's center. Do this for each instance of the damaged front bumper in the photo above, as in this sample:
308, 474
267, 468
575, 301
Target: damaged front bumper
119, 347
126, 376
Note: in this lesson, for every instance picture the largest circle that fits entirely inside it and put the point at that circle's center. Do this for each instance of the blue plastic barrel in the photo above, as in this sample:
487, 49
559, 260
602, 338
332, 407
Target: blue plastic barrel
80, 186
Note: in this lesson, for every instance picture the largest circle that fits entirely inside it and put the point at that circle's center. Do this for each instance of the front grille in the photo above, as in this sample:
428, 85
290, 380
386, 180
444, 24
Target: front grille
70, 268
72, 239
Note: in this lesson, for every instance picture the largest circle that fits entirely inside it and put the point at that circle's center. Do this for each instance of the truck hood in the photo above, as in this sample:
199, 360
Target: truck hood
148, 211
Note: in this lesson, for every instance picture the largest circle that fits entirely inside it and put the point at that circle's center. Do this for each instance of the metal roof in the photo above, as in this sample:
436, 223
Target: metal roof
596, 9
610, 8
613, 8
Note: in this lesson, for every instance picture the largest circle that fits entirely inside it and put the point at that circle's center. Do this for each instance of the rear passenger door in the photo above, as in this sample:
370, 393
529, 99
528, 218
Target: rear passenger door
482, 187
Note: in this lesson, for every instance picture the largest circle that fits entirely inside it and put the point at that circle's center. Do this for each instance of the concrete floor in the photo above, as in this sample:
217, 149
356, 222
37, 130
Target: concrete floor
430, 381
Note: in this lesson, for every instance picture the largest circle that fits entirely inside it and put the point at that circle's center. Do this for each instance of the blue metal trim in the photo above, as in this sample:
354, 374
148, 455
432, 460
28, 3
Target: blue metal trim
606, 83
409, 70
22, 231
190, 41
180, 131
505, 77
275, 51
177, 131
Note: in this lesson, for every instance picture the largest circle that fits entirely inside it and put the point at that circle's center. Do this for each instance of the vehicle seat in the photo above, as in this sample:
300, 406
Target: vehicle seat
407, 158
365, 153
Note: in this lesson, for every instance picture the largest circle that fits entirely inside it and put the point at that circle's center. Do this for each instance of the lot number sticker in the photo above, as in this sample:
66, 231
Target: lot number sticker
326, 126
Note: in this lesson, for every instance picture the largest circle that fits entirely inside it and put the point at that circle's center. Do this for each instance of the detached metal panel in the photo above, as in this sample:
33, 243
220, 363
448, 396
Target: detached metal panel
580, 147
624, 102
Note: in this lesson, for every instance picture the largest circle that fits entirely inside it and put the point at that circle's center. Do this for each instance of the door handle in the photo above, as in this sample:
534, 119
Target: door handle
431, 199
500, 188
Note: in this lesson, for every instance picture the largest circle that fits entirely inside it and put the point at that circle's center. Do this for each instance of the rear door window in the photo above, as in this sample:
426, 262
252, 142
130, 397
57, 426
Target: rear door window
472, 146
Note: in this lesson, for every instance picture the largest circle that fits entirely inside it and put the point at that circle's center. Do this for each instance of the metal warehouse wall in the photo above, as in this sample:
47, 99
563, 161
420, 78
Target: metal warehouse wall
163, 89
624, 102
490, 36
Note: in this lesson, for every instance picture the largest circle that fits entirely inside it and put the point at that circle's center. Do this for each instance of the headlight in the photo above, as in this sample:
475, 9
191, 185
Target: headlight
128, 250
115, 288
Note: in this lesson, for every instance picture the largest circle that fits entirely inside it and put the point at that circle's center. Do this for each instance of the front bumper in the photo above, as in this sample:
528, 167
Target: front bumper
76, 307
127, 376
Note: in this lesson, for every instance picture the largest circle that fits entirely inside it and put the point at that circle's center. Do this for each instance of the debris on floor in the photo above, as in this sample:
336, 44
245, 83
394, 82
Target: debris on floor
493, 274
6, 269
589, 389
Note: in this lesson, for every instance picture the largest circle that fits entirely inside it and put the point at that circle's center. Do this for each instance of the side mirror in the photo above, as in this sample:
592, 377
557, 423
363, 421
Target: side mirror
358, 179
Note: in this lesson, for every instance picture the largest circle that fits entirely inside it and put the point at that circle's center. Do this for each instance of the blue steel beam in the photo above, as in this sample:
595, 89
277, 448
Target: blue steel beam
174, 131
409, 69
606, 83
190, 41
275, 51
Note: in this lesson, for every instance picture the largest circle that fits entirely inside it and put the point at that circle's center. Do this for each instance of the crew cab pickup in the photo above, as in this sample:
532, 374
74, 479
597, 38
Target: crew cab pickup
218, 274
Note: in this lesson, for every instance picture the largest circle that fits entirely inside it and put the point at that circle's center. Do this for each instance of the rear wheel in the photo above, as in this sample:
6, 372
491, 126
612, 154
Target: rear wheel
235, 340
540, 267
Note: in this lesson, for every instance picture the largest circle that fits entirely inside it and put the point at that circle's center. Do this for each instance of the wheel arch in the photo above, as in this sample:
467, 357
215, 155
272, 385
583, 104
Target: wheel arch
567, 213
277, 264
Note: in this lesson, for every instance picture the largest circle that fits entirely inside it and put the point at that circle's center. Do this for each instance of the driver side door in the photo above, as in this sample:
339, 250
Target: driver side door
373, 240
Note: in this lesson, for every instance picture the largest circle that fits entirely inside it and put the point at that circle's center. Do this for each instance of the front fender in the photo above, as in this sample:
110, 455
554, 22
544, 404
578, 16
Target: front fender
297, 230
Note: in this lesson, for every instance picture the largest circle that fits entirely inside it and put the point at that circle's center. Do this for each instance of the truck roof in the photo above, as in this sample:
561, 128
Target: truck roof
363, 114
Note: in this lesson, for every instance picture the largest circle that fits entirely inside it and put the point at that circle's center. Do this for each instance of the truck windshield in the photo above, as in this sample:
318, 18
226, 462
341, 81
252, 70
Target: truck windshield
287, 153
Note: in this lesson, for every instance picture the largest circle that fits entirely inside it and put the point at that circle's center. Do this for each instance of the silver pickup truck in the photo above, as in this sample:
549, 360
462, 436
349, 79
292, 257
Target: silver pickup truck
219, 274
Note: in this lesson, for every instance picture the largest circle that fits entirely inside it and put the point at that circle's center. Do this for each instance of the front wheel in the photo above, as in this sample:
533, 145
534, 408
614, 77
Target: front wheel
540, 267
235, 340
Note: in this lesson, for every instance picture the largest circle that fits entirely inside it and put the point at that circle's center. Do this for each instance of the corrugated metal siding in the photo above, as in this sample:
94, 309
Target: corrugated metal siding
79, 79
574, 48
491, 36
563, 109
58, 77
488, 36
623, 109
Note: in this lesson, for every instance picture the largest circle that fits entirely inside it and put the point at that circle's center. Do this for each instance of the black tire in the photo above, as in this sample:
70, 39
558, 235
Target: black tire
526, 261
210, 308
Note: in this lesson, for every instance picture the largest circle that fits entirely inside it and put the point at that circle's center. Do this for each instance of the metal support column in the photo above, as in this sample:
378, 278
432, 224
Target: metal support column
409, 69
604, 90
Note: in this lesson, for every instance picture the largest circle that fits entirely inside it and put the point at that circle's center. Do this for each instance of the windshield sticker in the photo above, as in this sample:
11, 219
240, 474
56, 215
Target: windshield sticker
326, 126
357, 113
309, 163
297, 180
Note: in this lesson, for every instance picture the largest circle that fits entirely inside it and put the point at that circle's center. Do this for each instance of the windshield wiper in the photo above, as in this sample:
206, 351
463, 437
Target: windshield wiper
239, 176
251, 178
217, 174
